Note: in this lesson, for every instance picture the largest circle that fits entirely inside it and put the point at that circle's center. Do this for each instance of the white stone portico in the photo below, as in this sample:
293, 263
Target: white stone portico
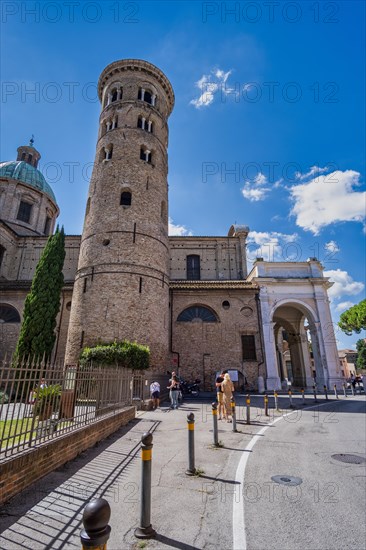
293, 300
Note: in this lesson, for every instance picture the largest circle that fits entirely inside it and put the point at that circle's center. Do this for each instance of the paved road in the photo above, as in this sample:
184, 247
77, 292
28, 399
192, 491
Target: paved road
327, 510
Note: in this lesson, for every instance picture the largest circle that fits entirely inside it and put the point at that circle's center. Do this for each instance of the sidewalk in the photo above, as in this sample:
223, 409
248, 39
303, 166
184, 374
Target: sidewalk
187, 512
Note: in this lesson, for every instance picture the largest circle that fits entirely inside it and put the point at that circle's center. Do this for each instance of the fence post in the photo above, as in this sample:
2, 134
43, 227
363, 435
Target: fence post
248, 408
233, 413
326, 392
214, 418
145, 531
344, 390
96, 530
335, 391
266, 404
303, 396
190, 425
352, 390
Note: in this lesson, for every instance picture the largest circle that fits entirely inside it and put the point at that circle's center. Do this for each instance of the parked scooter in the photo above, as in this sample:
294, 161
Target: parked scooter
190, 389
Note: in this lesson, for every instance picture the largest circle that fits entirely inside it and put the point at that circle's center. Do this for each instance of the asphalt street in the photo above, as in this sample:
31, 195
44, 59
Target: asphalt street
233, 502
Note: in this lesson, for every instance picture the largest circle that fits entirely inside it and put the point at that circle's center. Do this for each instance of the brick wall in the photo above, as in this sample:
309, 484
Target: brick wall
20, 471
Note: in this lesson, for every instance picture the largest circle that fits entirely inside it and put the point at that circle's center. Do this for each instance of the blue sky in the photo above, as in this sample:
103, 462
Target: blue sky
268, 128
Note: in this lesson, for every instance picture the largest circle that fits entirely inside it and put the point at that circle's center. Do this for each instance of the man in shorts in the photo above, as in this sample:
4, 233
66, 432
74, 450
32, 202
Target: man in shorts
219, 394
155, 394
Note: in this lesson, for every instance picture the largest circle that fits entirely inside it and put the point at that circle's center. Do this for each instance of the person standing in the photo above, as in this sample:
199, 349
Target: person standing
174, 391
155, 394
227, 389
219, 394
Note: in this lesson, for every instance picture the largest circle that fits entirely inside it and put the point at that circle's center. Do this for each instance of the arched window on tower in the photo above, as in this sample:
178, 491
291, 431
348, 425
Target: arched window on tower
126, 198
144, 124
147, 96
23, 156
145, 154
193, 267
115, 95
30, 157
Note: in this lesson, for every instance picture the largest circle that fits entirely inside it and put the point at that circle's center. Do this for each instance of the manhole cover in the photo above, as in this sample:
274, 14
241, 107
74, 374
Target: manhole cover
350, 459
287, 480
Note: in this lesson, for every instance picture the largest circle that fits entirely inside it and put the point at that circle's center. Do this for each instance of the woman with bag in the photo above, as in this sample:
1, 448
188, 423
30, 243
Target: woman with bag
227, 389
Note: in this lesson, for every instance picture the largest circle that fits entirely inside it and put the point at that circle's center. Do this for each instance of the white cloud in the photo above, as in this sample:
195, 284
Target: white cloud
328, 199
252, 190
342, 306
271, 246
178, 230
209, 85
314, 170
332, 247
344, 285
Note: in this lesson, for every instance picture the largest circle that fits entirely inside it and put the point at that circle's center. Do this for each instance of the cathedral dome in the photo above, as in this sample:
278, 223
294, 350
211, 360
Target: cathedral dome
26, 173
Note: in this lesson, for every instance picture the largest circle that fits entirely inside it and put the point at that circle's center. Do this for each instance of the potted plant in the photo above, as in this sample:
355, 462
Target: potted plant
47, 401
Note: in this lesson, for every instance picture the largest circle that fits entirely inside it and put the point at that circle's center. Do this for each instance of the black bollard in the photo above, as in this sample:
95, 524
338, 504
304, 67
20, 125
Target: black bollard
96, 530
233, 413
326, 392
145, 531
215, 430
314, 393
190, 425
303, 396
248, 408
335, 391
266, 405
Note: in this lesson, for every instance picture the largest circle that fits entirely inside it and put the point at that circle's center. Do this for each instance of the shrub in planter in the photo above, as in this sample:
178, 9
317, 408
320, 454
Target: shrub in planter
47, 401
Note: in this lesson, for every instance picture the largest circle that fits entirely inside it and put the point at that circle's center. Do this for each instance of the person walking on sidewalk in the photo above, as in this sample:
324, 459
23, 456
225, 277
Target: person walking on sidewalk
155, 394
174, 391
227, 389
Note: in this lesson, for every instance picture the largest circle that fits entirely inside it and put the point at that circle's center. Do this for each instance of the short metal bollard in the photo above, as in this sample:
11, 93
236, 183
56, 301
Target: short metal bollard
266, 413
335, 391
314, 393
215, 430
233, 413
190, 425
96, 530
145, 531
248, 408
344, 390
352, 390
303, 396
325, 392
290, 398
276, 400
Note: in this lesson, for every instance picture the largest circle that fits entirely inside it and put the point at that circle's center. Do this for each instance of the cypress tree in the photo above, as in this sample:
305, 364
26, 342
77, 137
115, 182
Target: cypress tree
42, 304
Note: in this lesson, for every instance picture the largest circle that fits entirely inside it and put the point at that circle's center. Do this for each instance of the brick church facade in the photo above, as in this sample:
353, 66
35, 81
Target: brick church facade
190, 299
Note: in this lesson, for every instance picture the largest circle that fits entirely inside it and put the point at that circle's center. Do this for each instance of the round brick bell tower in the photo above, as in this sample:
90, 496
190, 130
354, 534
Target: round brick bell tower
121, 287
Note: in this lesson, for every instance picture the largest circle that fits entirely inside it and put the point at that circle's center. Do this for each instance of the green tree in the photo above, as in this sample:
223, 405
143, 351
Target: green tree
42, 304
354, 319
361, 354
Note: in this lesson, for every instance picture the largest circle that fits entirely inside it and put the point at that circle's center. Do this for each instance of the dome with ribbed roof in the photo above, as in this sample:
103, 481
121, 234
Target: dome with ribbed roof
26, 173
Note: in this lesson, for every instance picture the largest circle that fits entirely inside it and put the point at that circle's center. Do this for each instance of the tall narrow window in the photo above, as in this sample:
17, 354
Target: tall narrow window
2, 252
248, 345
193, 267
109, 152
126, 198
145, 154
30, 157
47, 226
23, 156
24, 212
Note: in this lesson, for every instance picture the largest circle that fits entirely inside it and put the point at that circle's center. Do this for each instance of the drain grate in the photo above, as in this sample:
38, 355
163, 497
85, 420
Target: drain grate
349, 459
287, 480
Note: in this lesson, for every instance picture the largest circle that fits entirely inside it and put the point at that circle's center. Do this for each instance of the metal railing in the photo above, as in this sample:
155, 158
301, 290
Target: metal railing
39, 402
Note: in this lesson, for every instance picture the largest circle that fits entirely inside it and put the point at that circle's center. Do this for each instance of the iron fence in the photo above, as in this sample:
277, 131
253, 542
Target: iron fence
39, 402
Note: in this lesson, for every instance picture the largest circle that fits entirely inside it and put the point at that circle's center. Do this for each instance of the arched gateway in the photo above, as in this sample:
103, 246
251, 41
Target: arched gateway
298, 335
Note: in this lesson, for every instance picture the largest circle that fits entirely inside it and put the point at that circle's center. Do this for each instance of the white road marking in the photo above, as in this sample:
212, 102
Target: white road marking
239, 537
